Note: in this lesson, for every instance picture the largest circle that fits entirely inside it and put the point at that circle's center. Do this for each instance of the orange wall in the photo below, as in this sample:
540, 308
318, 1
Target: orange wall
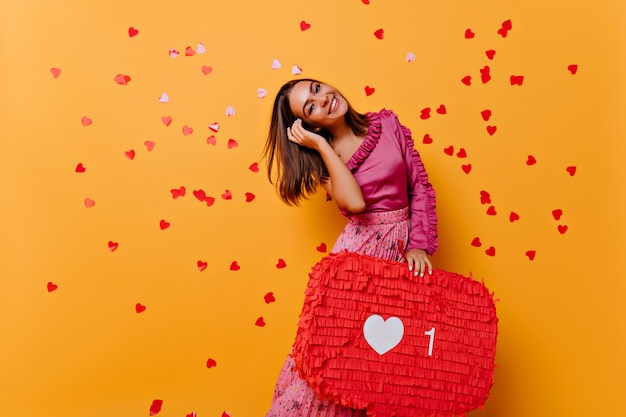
84, 350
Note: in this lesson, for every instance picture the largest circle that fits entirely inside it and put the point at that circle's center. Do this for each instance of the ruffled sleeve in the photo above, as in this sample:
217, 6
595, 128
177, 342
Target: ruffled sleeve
422, 203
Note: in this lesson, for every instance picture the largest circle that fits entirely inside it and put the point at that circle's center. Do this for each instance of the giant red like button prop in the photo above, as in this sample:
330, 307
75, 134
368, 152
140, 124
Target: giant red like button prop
372, 336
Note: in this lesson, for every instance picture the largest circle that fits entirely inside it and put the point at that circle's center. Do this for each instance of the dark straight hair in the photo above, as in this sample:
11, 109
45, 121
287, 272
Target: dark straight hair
299, 170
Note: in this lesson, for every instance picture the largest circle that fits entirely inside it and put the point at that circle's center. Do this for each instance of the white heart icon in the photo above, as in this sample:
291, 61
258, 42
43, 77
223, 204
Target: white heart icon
296, 70
410, 57
276, 64
230, 111
383, 335
200, 49
261, 92
164, 98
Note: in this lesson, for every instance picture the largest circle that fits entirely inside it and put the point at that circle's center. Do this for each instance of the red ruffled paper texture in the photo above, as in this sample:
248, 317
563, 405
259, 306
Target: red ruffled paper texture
332, 355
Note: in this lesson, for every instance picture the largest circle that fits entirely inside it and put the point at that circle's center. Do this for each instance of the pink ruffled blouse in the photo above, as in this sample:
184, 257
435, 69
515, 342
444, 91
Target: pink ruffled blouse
391, 175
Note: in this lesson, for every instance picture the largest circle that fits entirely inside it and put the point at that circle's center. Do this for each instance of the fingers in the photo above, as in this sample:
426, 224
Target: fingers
419, 265
294, 133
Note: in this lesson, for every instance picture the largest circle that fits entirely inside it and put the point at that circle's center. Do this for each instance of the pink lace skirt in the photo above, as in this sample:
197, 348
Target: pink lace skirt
383, 235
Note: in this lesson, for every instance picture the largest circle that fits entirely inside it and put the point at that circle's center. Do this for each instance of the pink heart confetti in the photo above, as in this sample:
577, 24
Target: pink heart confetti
86, 121
89, 203
232, 143
206, 70
211, 140
149, 145
166, 120
56, 72
121, 79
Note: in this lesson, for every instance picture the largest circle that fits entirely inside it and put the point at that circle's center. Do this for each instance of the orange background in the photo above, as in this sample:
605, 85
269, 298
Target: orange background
83, 349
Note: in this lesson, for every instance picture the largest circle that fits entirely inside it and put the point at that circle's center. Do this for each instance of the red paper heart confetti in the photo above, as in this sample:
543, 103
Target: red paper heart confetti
441, 109
201, 265
86, 121
56, 72
211, 140
281, 264
425, 113
571, 170
234, 266
369, 90
491, 130
269, 298
113, 246
517, 79
490, 54
192, 414
187, 130
504, 29
379, 33
155, 408
164, 225
365, 1
449, 150
130, 154
51, 286
121, 79
469, 34
249, 197
557, 213
166, 120
513, 217
476, 242
467, 80
466, 168
215, 127
304, 26
227, 195
254, 167
321, 247
531, 160
89, 203
461, 153
260, 322
485, 114
485, 75
531, 254
491, 251
140, 308
209, 201
206, 69
132, 32
199, 194
232, 143
80, 168
572, 69
491, 211
178, 192
211, 363
427, 139
562, 229
485, 197
149, 144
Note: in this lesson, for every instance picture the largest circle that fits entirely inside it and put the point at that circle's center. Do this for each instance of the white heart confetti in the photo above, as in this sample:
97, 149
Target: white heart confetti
230, 111
164, 98
200, 49
261, 92
173, 53
296, 70
410, 57
276, 64
383, 335
214, 127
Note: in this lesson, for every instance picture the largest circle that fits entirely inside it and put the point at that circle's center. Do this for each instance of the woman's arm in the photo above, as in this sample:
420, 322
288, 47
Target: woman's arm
341, 184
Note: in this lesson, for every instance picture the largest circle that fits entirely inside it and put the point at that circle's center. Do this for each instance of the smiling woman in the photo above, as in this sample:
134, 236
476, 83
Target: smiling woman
368, 165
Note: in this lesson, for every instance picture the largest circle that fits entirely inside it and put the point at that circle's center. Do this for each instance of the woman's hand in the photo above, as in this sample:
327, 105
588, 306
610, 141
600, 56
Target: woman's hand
301, 136
418, 261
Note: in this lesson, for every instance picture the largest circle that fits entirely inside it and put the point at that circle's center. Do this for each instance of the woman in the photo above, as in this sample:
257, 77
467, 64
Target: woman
368, 165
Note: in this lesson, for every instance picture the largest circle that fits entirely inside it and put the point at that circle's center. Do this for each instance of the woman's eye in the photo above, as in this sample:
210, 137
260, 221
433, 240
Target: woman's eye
317, 89
311, 109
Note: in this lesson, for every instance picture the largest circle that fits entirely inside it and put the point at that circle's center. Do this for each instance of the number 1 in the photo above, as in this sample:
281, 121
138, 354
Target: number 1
430, 333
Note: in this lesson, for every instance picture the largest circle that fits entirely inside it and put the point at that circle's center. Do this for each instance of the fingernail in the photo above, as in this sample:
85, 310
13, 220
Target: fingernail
410, 267
422, 275
415, 274
430, 272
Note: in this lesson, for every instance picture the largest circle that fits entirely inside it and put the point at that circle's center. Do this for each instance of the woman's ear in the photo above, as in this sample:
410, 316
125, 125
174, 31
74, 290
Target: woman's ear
317, 129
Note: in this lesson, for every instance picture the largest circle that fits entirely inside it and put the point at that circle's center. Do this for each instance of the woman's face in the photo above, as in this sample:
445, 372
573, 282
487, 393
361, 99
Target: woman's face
317, 104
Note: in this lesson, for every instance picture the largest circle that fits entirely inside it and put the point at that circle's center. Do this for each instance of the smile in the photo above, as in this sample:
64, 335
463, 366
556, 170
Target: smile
333, 105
